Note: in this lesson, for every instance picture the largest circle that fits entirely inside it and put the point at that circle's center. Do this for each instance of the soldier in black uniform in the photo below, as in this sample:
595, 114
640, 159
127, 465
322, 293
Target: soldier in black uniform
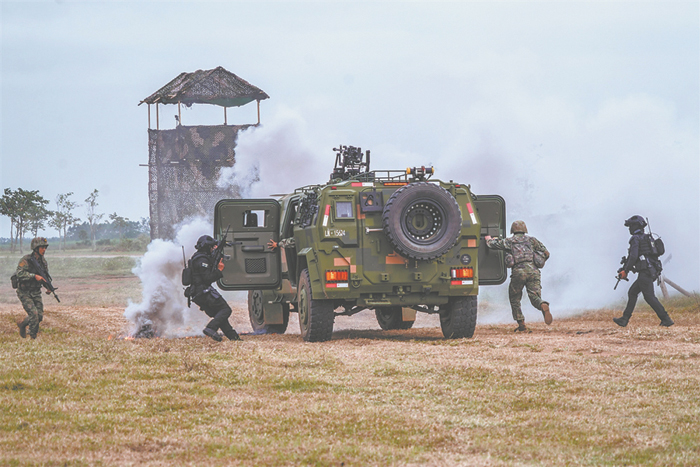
203, 293
641, 260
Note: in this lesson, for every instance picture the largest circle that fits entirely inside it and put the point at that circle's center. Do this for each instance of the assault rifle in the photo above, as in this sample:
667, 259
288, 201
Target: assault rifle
219, 250
40, 271
619, 274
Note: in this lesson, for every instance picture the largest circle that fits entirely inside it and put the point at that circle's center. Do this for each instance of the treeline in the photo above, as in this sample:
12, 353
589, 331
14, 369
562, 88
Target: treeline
29, 212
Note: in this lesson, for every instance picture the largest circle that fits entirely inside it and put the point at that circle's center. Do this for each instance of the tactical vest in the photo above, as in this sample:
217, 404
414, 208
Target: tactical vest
197, 274
521, 249
647, 259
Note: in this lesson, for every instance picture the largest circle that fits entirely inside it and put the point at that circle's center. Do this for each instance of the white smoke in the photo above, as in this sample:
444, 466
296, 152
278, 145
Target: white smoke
163, 309
277, 157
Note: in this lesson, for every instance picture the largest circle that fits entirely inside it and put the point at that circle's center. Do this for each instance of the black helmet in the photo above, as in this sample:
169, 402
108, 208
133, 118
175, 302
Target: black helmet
636, 220
205, 243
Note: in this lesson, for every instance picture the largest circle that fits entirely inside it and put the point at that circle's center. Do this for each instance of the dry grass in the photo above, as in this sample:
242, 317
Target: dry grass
580, 392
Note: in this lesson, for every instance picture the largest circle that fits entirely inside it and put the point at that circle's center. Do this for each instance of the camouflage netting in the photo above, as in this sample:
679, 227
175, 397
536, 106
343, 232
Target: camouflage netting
184, 165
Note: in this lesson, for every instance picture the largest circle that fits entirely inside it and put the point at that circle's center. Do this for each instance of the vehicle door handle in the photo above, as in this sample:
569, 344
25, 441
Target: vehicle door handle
253, 249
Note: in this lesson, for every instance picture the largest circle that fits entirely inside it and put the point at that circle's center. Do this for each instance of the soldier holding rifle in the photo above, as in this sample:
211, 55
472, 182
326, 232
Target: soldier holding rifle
206, 268
642, 260
33, 273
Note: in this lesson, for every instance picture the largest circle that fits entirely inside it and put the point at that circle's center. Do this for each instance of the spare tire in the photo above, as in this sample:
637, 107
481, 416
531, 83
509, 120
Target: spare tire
422, 221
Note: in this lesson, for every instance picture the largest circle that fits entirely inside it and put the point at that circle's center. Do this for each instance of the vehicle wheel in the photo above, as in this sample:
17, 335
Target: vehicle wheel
315, 316
422, 221
257, 317
392, 318
458, 317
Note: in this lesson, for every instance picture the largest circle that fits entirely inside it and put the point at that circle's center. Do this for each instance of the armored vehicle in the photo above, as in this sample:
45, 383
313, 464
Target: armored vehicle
396, 242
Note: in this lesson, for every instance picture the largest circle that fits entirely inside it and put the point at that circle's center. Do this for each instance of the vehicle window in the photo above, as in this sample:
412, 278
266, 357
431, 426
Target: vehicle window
254, 218
343, 210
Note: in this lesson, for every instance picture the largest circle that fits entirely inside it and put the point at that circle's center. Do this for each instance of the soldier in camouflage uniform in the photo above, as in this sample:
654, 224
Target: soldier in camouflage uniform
522, 253
29, 288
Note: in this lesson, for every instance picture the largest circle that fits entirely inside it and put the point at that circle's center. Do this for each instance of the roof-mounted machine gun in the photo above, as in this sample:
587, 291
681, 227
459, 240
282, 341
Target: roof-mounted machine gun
349, 163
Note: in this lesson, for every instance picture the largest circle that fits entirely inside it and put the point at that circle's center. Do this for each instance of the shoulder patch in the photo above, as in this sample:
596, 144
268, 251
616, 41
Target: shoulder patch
205, 265
23, 263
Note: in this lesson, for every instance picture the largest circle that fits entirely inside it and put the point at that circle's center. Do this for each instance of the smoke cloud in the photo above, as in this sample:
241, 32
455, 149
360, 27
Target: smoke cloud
163, 309
277, 157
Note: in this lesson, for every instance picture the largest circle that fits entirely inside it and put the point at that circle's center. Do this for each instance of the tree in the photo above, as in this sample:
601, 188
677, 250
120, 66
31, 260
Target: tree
63, 217
38, 215
8, 207
26, 210
119, 223
92, 216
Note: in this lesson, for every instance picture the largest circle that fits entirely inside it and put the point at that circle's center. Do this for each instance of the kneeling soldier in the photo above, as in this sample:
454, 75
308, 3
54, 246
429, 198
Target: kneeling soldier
210, 301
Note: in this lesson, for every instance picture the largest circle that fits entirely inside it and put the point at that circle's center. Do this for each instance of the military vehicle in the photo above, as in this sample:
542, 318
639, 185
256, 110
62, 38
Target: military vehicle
396, 242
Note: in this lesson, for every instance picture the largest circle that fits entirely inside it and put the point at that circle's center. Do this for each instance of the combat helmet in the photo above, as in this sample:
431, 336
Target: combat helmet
518, 227
638, 220
205, 243
39, 241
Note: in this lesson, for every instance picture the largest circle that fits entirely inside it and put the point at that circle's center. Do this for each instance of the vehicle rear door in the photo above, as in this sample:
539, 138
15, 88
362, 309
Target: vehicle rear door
251, 223
492, 214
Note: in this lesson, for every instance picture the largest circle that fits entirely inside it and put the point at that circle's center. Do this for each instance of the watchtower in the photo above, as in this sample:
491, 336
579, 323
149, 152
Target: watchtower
184, 163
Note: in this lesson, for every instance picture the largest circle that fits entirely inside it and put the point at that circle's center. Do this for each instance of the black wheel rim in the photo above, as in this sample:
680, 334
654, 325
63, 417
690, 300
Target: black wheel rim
423, 222
258, 314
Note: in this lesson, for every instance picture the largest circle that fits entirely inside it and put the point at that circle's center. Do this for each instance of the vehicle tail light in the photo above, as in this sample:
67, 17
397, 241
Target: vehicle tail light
462, 273
336, 276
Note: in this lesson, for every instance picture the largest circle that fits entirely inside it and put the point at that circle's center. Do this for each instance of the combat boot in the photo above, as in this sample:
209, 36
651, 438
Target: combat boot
232, 335
213, 334
545, 312
621, 321
521, 326
667, 322
22, 325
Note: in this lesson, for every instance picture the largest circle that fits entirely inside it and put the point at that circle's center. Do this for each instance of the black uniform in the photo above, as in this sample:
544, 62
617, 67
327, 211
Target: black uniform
641, 260
210, 301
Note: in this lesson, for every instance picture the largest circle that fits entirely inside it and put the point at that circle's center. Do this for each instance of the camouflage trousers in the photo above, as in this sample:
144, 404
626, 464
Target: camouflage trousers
33, 305
530, 279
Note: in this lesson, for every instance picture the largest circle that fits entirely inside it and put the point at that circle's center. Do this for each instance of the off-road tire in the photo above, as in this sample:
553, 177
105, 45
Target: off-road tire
458, 317
256, 315
422, 221
390, 318
315, 316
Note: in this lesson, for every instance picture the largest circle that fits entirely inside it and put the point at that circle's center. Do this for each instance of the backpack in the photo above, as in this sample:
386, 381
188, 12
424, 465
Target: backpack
657, 245
187, 274
538, 259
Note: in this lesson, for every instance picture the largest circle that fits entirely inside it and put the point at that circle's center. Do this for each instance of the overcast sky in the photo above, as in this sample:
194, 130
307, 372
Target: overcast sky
580, 114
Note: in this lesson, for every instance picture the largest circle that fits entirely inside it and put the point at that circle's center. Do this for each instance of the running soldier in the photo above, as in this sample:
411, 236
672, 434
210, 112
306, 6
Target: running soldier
525, 255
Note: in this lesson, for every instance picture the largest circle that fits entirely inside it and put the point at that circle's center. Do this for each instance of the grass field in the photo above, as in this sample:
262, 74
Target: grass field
580, 392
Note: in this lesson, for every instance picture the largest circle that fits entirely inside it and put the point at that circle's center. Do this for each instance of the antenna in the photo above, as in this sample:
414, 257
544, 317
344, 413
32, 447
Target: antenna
184, 260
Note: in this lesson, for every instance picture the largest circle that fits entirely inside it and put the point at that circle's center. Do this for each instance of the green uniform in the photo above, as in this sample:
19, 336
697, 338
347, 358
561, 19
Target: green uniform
524, 272
29, 293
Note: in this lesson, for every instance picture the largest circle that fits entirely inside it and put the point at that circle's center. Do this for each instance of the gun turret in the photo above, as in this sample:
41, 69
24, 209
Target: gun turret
349, 163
